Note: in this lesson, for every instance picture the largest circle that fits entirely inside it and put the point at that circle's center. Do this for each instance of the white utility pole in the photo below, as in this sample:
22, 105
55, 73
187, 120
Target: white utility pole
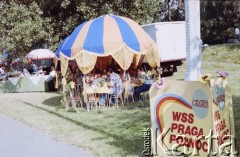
193, 40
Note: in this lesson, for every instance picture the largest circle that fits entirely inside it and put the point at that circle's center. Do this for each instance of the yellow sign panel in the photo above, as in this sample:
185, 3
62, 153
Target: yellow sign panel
182, 115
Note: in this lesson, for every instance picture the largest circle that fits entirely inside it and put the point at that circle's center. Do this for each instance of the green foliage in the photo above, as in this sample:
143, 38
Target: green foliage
218, 19
172, 10
22, 27
30, 24
141, 11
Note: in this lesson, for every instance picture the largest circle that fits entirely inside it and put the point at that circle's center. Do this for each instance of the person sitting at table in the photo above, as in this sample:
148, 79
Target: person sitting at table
35, 68
2, 73
144, 87
98, 79
52, 79
89, 79
53, 72
24, 71
116, 84
104, 74
40, 71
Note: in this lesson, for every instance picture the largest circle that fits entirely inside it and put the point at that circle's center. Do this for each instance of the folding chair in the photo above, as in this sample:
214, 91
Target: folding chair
128, 92
74, 99
93, 100
117, 99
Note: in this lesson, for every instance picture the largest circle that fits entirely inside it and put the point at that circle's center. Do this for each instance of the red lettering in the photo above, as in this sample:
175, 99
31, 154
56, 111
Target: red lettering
180, 140
200, 132
174, 126
205, 149
184, 117
172, 138
190, 143
190, 118
181, 129
176, 116
187, 131
216, 115
198, 145
194, 131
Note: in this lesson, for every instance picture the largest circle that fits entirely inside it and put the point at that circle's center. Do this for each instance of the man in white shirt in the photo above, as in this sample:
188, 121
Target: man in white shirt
237, 33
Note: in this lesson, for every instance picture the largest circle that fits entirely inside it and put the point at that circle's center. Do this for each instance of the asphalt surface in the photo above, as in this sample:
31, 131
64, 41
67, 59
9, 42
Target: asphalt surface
19, 140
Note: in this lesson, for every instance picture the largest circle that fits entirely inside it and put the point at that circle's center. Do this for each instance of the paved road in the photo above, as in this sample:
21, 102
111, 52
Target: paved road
18, 140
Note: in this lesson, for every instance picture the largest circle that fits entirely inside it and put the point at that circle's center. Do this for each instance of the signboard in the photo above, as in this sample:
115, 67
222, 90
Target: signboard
187, 115
223, 120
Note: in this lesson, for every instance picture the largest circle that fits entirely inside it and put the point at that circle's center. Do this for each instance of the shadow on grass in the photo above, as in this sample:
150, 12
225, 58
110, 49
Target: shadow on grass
54, 102
130, 145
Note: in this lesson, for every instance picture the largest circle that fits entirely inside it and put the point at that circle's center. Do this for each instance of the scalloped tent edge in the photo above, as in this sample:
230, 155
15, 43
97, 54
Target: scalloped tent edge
124, 56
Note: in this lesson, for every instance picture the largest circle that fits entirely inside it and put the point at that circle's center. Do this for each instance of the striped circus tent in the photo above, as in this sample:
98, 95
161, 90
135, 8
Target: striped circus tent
106, 37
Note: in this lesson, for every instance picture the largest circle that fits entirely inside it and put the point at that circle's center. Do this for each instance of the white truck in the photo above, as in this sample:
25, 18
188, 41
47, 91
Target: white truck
171, 40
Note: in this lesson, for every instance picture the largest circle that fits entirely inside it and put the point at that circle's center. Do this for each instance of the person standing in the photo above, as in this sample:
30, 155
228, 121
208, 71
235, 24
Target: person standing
237, 33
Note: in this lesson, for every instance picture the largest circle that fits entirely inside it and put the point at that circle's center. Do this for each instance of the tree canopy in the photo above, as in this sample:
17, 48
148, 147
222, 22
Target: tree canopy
30, 24
22, 27
218, 20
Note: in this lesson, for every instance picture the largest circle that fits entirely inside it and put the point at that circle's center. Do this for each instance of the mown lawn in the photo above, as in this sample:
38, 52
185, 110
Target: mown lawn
117, 132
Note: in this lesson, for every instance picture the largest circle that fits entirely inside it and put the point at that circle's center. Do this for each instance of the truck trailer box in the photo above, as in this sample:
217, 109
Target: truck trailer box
170, 38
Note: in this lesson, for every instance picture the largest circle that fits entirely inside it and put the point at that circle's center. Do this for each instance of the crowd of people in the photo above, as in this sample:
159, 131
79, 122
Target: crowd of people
116, 81
18, 69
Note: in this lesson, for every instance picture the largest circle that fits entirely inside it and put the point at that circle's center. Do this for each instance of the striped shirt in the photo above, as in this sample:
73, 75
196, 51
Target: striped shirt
116, 80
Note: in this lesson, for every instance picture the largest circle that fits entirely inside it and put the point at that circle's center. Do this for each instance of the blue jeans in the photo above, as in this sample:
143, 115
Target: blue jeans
140, 89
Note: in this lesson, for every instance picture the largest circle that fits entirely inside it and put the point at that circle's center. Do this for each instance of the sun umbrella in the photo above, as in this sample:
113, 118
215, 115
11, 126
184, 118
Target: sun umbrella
108, 35
41, 54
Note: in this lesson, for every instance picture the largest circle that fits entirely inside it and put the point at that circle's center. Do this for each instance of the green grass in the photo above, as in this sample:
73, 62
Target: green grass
115, 132
225, 53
